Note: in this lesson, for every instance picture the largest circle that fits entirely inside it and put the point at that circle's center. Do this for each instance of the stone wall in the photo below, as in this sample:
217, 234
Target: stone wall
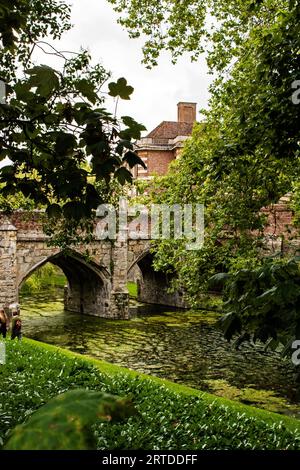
98, 285
8, 263
279, 231
153, 289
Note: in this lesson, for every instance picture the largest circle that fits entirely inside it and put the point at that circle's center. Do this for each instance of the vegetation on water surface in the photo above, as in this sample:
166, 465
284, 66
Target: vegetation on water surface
169, 416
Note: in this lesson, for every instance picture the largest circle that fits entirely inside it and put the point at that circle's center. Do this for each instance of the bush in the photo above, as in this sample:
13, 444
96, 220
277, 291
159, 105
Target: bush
48, 276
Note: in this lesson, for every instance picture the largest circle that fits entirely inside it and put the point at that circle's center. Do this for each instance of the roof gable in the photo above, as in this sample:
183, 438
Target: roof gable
171, 130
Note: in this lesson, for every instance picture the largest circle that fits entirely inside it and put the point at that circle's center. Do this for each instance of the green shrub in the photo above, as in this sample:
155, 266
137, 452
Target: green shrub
48, 276
132, 289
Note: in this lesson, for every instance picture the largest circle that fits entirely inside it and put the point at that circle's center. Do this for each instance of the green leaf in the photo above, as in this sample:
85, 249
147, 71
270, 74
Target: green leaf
123, 175
133, 159
121, 89
54, 211
65, 422
87, 89
134, 128
93, 198
22, 90
218, 280
230, 325
124, 144
65, 143
44, 78
74, 210
7, 171
105, 169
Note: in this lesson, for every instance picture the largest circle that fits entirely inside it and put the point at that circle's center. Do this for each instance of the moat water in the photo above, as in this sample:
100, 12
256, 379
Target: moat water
183, 346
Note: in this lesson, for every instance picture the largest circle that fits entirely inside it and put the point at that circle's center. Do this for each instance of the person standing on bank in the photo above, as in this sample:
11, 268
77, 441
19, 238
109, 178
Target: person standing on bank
3, 323
16, 322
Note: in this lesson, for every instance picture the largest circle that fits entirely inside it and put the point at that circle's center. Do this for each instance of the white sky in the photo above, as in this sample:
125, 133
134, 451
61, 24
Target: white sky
157, 91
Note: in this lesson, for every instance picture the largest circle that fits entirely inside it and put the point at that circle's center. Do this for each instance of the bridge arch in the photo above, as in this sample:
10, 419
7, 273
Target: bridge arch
89, 286
153, 286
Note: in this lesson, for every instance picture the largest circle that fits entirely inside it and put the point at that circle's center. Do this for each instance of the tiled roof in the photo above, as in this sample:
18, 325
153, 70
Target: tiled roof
171, 129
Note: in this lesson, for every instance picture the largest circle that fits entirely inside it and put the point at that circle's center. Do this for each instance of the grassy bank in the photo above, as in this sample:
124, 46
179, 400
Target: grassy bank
46, 277
132, 289
171, 416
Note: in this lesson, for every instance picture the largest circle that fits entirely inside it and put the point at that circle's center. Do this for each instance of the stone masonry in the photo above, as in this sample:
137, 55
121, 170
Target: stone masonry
97, 285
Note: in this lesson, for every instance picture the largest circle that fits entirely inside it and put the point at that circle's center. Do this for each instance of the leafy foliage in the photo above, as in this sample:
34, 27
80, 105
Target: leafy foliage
23, 23
165, 420
51, 124
65, 422
14, 202
262, 304
54, 121
245, 153
47, 277
192, 26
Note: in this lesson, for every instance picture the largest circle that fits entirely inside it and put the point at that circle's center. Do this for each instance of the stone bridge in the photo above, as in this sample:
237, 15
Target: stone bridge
97, 284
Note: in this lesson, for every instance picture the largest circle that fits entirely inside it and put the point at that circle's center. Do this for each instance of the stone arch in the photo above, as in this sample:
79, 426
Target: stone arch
153, 285
89, 286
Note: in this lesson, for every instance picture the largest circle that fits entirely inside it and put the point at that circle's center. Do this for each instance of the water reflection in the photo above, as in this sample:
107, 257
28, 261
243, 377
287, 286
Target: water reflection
183, 346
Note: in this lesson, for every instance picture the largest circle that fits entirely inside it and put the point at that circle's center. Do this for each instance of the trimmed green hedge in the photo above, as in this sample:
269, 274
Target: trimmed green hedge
171, 416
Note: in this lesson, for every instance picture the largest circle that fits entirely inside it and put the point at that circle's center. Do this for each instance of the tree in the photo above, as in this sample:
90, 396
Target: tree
251, 44
23, 23
192, 26
53, 120
245, 154
262, 304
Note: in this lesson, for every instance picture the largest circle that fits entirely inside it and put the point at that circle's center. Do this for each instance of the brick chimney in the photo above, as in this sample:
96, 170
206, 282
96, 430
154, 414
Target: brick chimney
186, 112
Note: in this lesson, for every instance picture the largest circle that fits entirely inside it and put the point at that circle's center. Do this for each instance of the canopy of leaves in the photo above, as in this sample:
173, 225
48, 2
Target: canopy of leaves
22, 23
262, 304
245, 154
192, 26
54, 121
51, 123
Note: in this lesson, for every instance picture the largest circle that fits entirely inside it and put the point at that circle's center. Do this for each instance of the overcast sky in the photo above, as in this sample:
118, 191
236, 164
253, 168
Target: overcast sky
157, 91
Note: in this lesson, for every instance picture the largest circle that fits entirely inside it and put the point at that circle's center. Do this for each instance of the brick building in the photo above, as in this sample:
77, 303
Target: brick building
165, 142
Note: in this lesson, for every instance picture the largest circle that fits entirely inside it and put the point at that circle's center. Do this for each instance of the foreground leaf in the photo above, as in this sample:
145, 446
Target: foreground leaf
65, 422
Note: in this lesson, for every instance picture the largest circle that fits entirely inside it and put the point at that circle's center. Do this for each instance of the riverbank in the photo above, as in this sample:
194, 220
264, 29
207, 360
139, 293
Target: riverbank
184, 347
171, 416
